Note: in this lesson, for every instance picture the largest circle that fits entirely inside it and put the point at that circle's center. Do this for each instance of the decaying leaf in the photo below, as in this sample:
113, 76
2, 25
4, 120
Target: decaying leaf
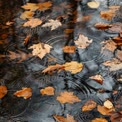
93, 4
52, 68
118, 41
47, 91
40, 49
30, 6
108, 104
25, 93
73, 66
97, 78
27, 15
53, 24
89, 105
104, 111
44, 6
69, 118
33, 22
82, 42
102, 26
109, 45
69, 49
99, 120
3, 91
67, 97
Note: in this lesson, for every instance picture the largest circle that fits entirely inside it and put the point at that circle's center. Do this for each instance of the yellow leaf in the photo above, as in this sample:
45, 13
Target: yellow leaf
73, 66
47, 91
67, 97
33, 22
99, 120
93, 4
26, 15
108, 104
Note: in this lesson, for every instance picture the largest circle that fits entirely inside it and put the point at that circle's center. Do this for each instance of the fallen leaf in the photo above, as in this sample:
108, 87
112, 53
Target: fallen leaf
33, 22
27, 15
47, 91
97, 78
52, 68
67, 31
102, 26
89, 105
54, 24
44, 6
26, 40
69, 49
118, 41
9, 23
108, 104
30, 6
67, 97
25, 93
40, 49
99, 120
93, 4
109, 45
116, 117
3, 91
104, 111
73, 66
119, 54
82, 42
69, 118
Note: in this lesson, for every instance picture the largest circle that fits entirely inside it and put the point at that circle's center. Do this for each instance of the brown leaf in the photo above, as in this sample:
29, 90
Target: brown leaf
97, 78
69, 49
108, 104
27, 15
73, 66
119, 54
3, 91
102, 26
62, 119
25, 93
82, 42
40, 49
116, 117
9, 23
44, 6
33, 22
67, 31
109, 45
47, 91
52, 68
89, 105
99, 120
26, 40
54, 24
93, 4
67, 97
118, 41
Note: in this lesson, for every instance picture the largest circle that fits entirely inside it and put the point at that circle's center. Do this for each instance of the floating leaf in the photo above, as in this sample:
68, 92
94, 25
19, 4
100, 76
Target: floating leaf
53, 24
69, 49
93, 4
67, 97
27, 15
40, 49
3, 91
97, 78
99, 120
73, 66
25, 93
108, 104
82, 42
89, 105
47, 91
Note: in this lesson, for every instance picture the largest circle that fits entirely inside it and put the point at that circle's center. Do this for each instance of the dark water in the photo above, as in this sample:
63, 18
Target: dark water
28, 73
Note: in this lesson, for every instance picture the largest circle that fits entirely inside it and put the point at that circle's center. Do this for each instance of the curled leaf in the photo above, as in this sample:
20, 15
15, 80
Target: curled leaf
97, 78
3, 91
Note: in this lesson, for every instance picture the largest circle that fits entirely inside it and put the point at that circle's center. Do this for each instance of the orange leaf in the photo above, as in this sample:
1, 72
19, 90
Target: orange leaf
27, 15
118, 40
97, 78
99, 120
25, 93
26, 40
89, 105
47, 91
3, 91
67, 31
67, 97
69, 49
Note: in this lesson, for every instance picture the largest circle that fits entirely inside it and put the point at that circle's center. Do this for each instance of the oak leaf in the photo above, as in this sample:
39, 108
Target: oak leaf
68, 118
40, 49
54, 24
73, 66
97, 78
93, 4
47, 91
99, 120
89, 105
108, 104
82, 42
27, 15
25, 93
33, 22
3, 91
69, 49
67, 97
